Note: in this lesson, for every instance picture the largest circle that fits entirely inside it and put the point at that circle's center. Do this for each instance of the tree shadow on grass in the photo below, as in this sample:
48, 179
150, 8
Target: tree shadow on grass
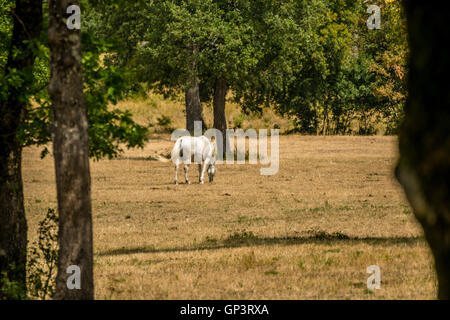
248, 239
147, 158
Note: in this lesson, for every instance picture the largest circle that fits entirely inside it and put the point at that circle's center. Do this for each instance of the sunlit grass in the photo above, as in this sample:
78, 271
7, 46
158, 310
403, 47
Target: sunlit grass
308, 232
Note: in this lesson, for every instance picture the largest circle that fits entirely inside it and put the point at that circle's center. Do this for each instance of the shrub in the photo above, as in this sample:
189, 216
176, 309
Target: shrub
11, 290
164, 122
238, 120
43, 259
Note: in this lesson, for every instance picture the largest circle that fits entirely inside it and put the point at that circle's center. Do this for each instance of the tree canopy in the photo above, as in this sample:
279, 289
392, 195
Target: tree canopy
108, 128
314, 61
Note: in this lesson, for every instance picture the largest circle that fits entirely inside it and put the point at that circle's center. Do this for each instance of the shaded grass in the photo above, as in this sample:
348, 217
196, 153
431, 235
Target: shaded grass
239, 241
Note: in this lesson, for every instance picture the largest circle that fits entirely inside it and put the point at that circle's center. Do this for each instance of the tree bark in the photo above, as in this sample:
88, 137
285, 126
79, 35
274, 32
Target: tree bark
27, 24
194, 111
220, 121
70, 149
424, 140
193, 105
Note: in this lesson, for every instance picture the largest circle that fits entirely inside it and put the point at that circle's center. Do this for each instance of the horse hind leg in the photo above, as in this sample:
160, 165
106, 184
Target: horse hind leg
186, 169
205, 165
176, 171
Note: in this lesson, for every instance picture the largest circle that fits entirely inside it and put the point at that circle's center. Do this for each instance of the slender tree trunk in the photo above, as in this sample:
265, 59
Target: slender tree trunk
13, 225
194, 110
70, 149
424, 140
325, 121
193, 105
27, 19
220, 121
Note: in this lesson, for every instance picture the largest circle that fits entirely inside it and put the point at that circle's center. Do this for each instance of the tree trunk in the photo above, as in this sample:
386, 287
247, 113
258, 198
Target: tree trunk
194, 110
424, 141
193, 106
70, 149
220, 121
13, 224
325, 121
27, 19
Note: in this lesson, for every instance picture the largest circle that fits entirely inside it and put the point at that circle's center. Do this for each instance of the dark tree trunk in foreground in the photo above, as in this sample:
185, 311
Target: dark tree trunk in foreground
194, 110
27, 19
220, 121
424, 165
70, 149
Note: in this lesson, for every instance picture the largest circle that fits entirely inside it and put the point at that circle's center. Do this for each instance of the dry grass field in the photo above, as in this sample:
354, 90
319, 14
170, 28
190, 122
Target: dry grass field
308, 232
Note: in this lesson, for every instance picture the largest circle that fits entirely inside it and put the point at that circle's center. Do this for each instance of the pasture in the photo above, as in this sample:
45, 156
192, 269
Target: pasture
308, 232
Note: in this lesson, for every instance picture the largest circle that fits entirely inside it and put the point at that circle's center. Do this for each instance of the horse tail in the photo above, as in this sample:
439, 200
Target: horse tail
177, 151
181, 148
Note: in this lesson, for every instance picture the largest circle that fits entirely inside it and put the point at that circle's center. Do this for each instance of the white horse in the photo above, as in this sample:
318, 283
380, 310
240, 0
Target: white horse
189, 149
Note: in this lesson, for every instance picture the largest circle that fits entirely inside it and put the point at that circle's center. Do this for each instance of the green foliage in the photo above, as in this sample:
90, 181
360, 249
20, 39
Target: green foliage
11, 290
238, 120
164, 122
5, 31
164, 37
35, 127
103, 86
314, 61
108, 128
20, 84
43, 259
332, 69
